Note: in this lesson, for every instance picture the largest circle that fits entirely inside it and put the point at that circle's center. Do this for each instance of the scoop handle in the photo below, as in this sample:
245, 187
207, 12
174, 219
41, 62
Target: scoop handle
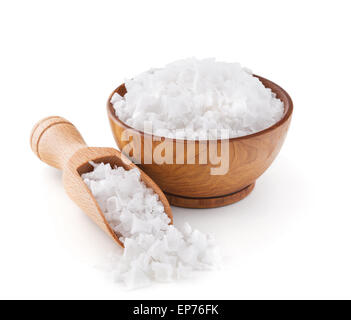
54, 140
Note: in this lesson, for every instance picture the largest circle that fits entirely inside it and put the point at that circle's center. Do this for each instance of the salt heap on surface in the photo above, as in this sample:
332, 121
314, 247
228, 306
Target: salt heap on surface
154, 250
190, 98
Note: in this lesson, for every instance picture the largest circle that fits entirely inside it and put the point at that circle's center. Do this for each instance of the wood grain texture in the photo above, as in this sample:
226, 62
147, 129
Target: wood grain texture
249, 157
54, 140
57, 142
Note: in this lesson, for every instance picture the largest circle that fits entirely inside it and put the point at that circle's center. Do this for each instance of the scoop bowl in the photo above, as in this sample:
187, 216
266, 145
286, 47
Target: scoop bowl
57, 142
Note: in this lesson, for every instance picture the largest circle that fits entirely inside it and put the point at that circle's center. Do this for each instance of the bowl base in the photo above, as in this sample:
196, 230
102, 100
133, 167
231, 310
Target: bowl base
209, 202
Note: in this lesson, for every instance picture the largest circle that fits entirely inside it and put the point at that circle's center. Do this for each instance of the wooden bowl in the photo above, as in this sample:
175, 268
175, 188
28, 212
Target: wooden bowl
192, 185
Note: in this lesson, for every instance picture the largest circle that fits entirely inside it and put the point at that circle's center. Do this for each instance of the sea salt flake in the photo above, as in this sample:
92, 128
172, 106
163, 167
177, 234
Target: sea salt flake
162, 271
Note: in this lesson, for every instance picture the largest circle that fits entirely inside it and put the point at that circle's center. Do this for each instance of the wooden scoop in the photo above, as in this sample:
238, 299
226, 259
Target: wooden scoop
57, 142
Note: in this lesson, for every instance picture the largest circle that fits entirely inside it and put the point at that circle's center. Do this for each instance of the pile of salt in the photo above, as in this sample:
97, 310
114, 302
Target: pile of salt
190, 98
154, 250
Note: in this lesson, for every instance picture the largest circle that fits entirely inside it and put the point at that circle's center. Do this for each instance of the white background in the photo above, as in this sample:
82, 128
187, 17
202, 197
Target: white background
290, 238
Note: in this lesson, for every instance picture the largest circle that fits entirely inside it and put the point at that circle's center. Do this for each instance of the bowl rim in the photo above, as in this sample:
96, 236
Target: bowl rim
288, 109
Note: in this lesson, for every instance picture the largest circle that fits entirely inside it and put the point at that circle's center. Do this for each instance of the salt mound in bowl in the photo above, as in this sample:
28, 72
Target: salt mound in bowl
189, 99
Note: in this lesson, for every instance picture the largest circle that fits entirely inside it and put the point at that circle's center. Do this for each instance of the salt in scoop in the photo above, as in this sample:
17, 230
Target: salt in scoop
57, 142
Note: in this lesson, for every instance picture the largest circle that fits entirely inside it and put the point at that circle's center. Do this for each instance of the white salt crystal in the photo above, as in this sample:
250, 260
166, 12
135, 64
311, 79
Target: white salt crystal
162, 271
140, 226
186, 229
188, 98
131, 248
115, 98
112, 204
189, 255
154, 250
135, 278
